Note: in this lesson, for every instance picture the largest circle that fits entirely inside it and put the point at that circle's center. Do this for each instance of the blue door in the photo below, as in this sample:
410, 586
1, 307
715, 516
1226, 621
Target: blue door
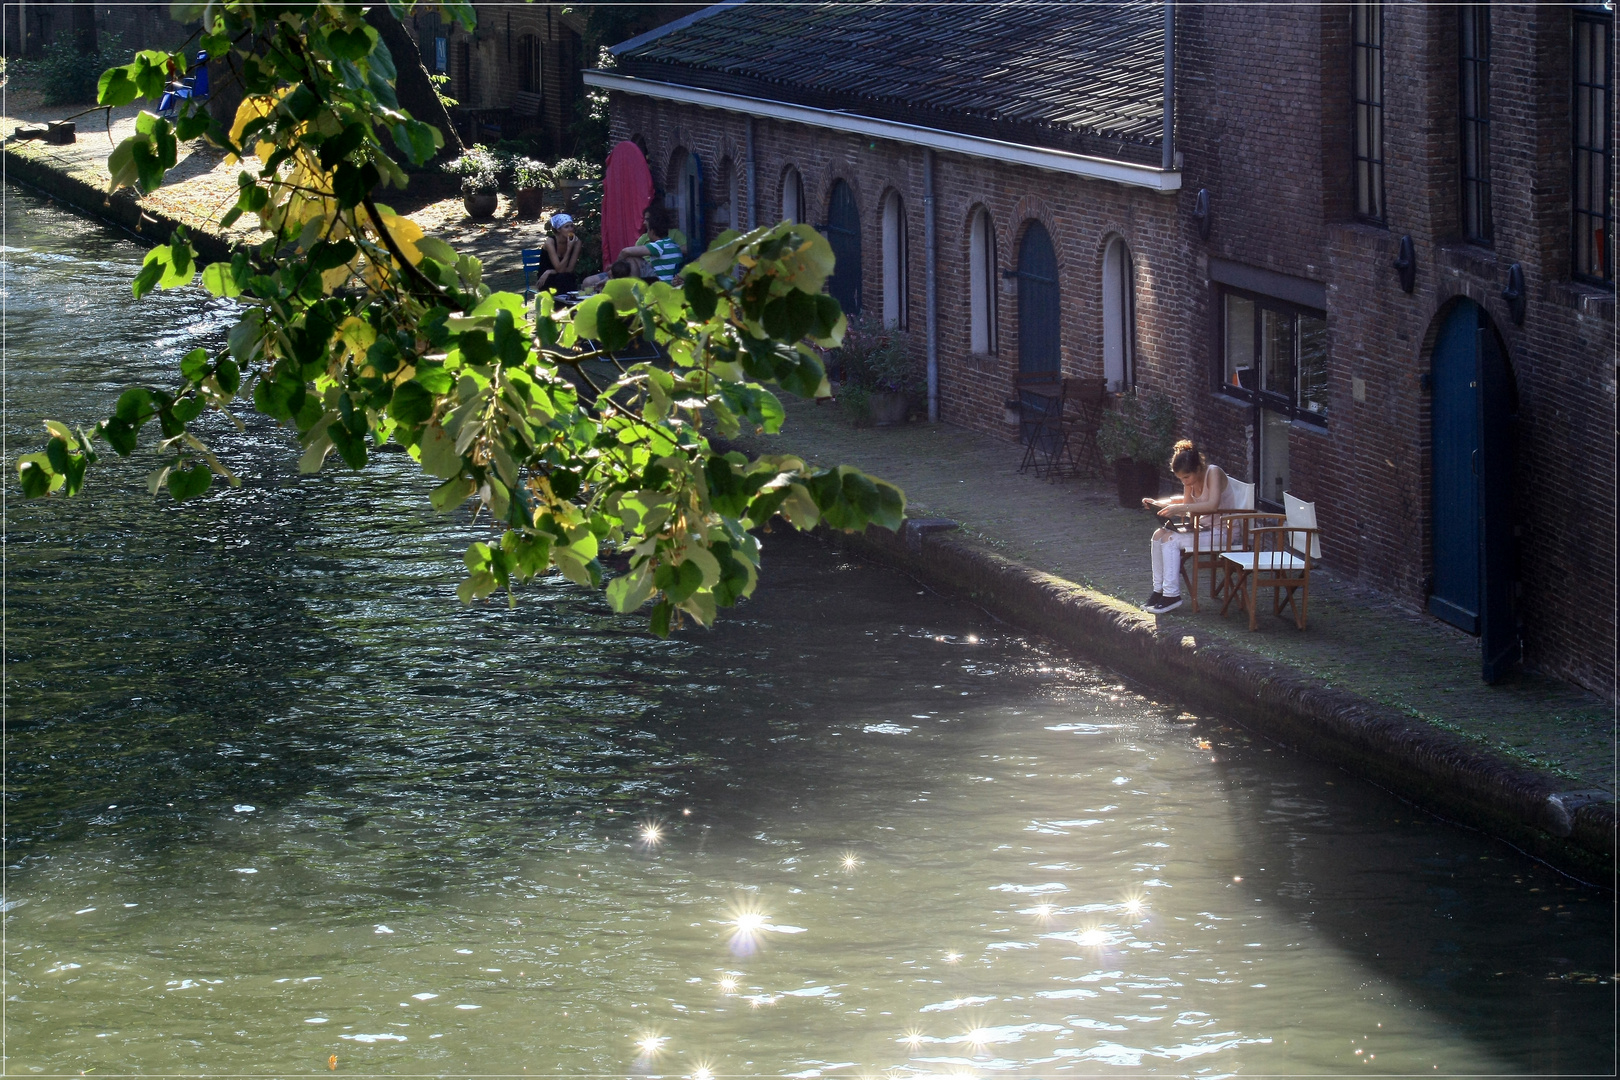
1472, 439
1037, 303
1454, 596
844, 234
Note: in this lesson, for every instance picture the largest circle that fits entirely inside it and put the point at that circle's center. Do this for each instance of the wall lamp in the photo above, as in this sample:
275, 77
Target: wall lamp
1201, 213
1514, 293
1406, 263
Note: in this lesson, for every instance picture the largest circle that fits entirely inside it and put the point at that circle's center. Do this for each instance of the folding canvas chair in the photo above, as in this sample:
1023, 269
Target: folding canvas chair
1280, 559
1228, 530
531, 270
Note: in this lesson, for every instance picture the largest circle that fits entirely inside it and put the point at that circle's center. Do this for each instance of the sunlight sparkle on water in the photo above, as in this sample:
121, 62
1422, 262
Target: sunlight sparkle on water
702, 1072
651, 833
1092, 936
650, 1044
849, 860
952, 957
727, 983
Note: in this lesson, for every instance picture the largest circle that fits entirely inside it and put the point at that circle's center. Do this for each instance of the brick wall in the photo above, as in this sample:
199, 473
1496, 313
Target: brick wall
1264, 126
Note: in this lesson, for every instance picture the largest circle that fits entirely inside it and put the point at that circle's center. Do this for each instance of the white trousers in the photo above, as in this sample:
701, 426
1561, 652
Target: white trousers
1167, 559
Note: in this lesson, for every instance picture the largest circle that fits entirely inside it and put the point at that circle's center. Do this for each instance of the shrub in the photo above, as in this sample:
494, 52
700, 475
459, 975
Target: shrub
879, 359
479, 170
528, 174
65, 76
575, 169
1140, 426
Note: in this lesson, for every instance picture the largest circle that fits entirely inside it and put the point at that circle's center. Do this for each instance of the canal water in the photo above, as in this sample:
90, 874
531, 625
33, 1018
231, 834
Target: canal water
277, 802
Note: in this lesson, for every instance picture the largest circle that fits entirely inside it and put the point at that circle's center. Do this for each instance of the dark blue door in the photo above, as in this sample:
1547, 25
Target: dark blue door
1454, 596
1473, 445
1037, 303
844, 234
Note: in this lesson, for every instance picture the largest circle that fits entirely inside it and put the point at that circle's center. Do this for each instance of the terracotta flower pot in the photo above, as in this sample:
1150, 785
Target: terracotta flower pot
530, 201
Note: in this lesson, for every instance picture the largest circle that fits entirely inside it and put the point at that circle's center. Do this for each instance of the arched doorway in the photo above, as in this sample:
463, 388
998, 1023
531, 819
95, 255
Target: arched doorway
844, 234
1471, 491
1038, 323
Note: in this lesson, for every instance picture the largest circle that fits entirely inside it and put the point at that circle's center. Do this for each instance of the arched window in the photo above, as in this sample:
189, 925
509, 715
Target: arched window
685, 198
720, 214
982, 282
792, 196
844, 236
895, 271
1119, 316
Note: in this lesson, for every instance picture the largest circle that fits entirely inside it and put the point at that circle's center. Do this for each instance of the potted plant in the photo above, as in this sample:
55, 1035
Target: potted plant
1137, 435
530, 179
480, 181
882, 380
572, 176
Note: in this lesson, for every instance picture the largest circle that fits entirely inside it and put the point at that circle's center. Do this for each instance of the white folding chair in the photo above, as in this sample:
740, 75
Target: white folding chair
1279, 558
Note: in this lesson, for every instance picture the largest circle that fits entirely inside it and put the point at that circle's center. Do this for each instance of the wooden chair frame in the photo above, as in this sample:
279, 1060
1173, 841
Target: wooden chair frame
1276, 566
1235, 526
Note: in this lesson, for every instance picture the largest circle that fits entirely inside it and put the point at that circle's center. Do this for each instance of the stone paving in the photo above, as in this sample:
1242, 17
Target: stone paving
201, 187
1355, 640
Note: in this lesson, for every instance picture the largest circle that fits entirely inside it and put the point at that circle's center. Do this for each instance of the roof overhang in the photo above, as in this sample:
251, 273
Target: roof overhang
1036, 157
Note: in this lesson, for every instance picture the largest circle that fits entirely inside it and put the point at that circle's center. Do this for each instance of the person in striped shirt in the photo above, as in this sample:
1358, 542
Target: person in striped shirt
661, 254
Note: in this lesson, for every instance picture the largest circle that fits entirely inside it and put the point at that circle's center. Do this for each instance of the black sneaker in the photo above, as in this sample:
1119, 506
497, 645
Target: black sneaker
1165, 605
1153, 601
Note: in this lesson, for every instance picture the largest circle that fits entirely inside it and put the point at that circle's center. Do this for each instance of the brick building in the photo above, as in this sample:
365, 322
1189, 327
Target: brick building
1014, 188
516, 74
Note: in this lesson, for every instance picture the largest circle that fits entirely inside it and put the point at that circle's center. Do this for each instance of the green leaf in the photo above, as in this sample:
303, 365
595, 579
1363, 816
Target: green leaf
34, 471
452, 493
218, 279
411, 404
194, 365
188, 483
629, 591
116, 86
437, 452
121, 164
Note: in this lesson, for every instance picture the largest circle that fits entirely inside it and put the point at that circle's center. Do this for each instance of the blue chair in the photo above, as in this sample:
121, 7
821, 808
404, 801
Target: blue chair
193, 86
532, 269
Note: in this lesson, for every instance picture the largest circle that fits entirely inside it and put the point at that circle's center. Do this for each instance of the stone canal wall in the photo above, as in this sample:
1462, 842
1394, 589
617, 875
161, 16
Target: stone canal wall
1443, 772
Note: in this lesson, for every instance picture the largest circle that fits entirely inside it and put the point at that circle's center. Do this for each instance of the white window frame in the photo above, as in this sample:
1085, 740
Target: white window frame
895, 268
1119, 316
982, 283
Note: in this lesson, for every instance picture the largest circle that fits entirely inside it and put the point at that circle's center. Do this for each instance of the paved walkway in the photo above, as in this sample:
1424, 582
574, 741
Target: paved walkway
1356, 640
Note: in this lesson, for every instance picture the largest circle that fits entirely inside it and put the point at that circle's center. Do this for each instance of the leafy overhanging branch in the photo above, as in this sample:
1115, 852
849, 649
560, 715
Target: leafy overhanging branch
357, 330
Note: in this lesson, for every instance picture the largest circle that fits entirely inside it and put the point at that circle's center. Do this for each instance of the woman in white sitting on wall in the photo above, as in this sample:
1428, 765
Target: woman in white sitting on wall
1204, 490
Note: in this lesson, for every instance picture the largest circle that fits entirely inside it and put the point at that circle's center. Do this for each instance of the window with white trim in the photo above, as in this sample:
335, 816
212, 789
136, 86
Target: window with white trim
982, 283
895, 276
1119, 317
792, 196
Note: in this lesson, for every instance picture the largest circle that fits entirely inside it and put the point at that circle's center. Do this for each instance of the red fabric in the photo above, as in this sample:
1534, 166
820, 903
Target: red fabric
627, 188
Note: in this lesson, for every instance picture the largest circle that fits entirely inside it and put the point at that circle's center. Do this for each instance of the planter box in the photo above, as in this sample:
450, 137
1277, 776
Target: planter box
530, 201
569, 191
890, 409
1136, 480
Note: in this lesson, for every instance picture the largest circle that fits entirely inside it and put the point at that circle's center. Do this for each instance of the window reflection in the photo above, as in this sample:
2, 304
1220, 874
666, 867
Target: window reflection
1239, 342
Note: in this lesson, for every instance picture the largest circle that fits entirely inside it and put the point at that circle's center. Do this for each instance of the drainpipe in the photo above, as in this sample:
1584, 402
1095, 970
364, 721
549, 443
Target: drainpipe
751, 174
1169, 161
931, 294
